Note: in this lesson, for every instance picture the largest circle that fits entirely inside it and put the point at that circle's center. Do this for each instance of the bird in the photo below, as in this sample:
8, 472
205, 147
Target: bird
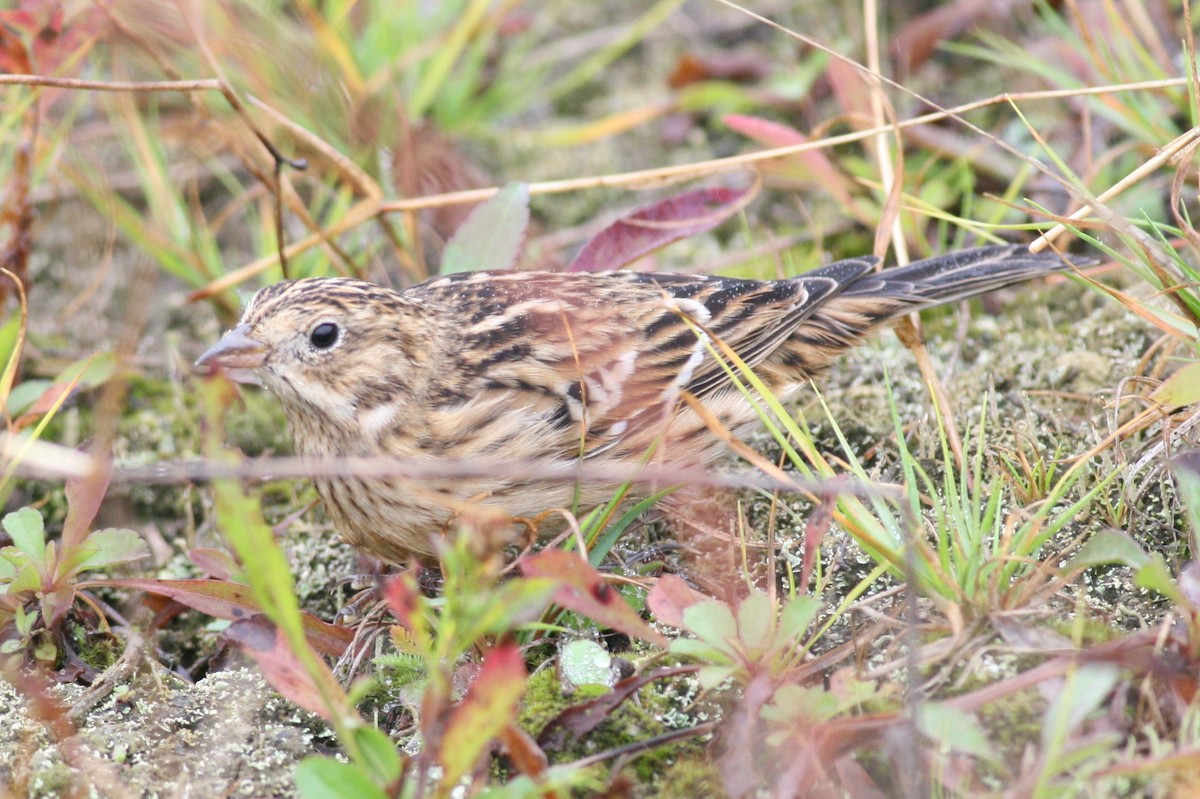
588, 367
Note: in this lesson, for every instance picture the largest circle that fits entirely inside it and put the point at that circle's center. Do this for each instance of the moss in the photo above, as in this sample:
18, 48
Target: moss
1011, 722
692, 777
54, 780
98, 650
651, 712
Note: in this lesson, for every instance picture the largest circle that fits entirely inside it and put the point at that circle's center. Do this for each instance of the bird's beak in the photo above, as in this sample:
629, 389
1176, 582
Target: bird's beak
237, 354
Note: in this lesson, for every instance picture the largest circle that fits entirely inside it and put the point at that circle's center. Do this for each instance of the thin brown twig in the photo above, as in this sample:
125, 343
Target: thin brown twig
199, 84
51, 461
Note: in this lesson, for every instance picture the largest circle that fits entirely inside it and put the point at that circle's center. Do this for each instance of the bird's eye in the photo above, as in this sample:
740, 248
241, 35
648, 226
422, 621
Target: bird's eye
324, 335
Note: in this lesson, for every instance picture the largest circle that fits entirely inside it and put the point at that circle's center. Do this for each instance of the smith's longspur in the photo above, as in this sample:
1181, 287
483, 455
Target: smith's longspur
519, 366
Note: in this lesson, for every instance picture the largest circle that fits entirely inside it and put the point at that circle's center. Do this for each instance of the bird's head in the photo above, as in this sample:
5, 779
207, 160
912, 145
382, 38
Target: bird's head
329, 347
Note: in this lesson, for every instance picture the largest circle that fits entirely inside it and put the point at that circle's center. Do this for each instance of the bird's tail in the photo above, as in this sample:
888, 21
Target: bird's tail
868, 300
955, 276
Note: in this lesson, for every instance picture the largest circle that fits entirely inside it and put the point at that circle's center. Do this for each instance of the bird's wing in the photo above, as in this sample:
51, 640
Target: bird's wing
604, 355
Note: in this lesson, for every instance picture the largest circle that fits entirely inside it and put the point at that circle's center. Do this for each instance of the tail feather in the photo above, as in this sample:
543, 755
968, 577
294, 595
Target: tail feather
866, 303
956, 276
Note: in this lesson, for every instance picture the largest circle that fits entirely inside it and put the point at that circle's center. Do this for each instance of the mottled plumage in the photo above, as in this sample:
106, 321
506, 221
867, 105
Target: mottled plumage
525, 365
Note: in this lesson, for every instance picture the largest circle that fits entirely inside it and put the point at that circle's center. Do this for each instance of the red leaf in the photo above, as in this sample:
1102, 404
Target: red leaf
14, 58
669, 597
402, 600
524, 752
488, 708
745, 66
811, 166
851, 88
214, 562
584, 590
656, 226
260, 639
84, 495
233, 601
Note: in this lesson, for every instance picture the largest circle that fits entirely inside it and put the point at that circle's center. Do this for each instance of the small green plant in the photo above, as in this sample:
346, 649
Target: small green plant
37, 577
760, 637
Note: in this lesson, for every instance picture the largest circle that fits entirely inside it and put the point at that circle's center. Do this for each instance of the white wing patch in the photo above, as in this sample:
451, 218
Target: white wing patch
606, 385
699, 314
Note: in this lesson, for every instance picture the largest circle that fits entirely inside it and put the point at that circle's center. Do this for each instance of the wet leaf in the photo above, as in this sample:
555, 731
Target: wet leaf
586, 662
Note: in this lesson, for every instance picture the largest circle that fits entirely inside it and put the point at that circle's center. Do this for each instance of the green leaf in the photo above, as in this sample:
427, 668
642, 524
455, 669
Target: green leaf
795, 619
378, 753
493, 235
1107, 547
954, 729
690, 647
712, 622
11, 559
326, 778
28, 579
9, 333
25, 394
45, 651
1082, 692
793, 703
516, 602
755, 618
1181, 388
25, 528
710, 677
1156, 576
25, 620
112, 545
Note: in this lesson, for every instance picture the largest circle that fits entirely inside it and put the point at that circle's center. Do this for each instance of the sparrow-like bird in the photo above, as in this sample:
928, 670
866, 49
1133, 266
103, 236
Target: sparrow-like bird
519, 366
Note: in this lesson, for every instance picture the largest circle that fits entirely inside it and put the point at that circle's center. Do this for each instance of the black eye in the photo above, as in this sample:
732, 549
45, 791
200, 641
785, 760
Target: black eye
324, 335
